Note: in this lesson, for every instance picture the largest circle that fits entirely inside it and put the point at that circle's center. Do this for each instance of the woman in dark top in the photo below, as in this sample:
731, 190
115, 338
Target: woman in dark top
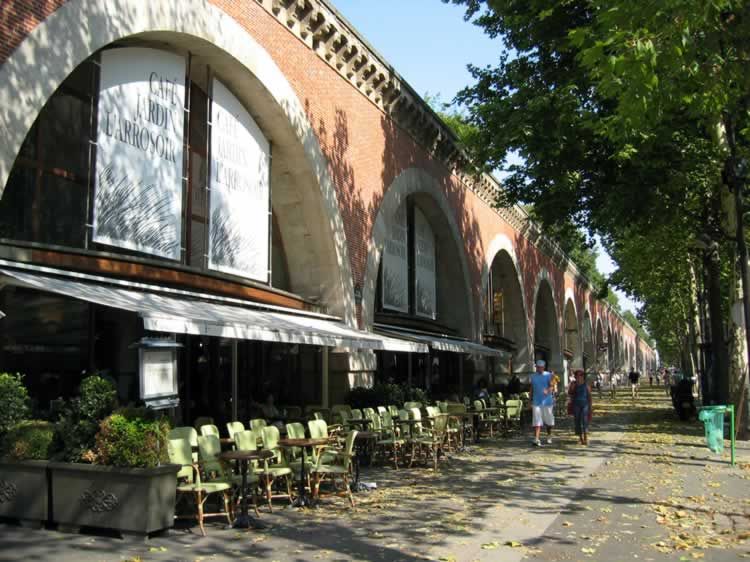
580, 394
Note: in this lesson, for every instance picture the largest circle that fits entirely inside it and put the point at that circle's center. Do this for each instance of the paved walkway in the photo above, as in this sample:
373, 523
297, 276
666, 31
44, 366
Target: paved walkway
646, 488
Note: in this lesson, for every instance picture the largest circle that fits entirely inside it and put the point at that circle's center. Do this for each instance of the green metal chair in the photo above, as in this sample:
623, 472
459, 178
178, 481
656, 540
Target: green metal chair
258, 423
410, 405
318, 430
234, 427
486, 419
276, 468
356, 414
389, 440
336, 410
247, 440
381, 410
432, 444
190, 484
209, 429
513, 410
188, 433
393, 410
340, 465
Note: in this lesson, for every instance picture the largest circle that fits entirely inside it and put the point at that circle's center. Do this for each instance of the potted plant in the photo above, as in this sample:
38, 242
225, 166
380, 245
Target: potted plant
129, 487
23, 472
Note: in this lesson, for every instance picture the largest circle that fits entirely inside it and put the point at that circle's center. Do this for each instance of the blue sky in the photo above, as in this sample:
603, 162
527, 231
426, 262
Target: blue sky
429, 44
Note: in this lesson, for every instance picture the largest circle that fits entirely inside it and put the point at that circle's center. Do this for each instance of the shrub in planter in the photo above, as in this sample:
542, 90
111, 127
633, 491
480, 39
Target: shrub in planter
23, 471
28, 440
14, 401
129, 439
129, 488
79, 419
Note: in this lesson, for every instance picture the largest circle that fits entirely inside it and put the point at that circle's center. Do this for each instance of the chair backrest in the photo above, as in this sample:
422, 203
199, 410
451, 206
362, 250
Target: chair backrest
467, 401
259, 435
493, 401
341, 411
416, 415
376, 424
410, 405
234, 427
393, 410
432, 411
319, 416
180, 452
184, 432
386, 421
203, 420
209, 429
500, 398
258, 423
271, 441
246, 440
318, 429
443, 407
439, 426
368, 413
478, 406
356, 414
294, 430
344, 416
349, 444
513, 409
209, 448
381, 410
456, 408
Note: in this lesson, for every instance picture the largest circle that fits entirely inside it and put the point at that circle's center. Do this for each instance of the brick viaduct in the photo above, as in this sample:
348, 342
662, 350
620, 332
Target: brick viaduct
351, 141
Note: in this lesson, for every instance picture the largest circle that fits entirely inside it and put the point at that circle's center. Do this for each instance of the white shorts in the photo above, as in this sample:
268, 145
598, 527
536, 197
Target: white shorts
542, 415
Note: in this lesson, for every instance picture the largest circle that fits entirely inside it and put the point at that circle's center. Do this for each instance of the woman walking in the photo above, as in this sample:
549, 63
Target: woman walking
580, 394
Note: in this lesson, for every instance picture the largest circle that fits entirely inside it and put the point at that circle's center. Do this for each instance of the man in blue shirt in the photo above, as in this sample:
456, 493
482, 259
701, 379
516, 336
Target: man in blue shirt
542, 402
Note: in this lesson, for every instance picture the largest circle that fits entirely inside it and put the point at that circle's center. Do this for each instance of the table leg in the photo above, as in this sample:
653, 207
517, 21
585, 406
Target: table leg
244, 520
303, 500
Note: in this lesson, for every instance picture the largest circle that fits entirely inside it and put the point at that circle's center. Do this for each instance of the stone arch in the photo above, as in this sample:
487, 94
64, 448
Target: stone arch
547, 323
61, 42
432, 200
588, 355
572, 331
601, 347
503, 269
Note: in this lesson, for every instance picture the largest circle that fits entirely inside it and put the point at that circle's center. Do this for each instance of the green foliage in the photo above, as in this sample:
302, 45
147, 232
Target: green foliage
14, 401
28, 440
385, 394
130, 439
79, 419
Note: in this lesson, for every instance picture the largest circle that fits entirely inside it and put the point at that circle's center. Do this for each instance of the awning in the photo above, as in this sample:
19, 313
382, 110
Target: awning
441, 343
199, 317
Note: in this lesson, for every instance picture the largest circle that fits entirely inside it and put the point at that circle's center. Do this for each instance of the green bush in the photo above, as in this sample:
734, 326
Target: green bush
14, 401
127, 439
79, 420
28, 440
384, 394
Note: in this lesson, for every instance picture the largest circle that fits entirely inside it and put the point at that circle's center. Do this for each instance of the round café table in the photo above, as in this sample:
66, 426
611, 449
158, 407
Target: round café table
244, 520
303, 500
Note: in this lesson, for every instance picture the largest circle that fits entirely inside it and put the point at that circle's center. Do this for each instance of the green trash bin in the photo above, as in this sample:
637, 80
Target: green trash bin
713, 422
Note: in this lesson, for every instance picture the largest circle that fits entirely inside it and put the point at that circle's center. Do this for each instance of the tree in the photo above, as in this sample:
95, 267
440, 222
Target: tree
614, 109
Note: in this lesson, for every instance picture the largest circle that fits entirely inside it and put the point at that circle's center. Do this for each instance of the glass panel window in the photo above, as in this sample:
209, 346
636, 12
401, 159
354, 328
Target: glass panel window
64, 135
16, 204
61, 212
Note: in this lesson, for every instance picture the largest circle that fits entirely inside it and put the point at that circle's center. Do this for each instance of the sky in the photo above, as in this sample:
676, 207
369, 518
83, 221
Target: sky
429, 44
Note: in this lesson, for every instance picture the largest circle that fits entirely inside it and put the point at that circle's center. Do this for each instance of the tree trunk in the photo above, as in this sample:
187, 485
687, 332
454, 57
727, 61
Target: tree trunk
719, 380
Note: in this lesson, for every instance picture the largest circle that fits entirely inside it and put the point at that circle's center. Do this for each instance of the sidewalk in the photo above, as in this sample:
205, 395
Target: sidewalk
645, 489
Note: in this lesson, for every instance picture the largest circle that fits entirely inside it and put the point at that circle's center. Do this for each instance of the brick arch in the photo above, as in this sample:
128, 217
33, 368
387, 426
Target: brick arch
577, 360
544, 278
522, 360
59, 43
413, 181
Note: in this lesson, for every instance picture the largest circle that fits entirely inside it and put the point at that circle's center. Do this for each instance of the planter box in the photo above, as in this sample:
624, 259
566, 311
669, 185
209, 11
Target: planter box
130, 500
24, 491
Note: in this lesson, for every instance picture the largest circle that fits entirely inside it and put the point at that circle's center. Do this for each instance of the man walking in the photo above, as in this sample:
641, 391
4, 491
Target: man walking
634, 376
542, 402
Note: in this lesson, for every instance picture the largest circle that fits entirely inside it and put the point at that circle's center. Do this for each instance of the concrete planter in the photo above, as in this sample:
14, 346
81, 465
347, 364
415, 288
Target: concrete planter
134, 501
24, 491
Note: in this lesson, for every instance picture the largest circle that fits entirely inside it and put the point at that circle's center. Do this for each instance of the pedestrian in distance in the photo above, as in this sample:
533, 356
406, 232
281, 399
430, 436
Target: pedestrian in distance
542, 403
582, 406
633, 377
613, 385
651, 378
